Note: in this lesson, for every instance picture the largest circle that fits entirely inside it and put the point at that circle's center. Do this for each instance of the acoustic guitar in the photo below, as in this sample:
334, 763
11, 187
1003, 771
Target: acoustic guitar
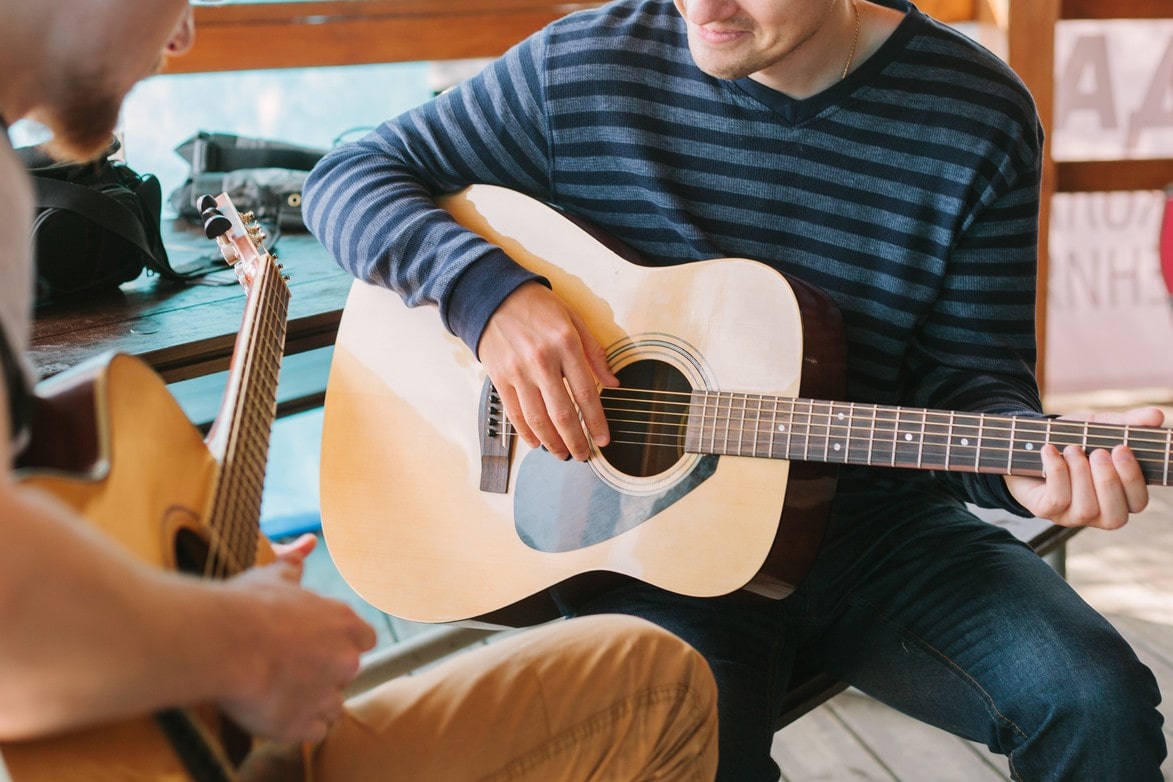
112, 443
725, 437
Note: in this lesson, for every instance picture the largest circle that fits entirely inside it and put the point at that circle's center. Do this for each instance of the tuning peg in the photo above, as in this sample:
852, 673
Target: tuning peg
215, 223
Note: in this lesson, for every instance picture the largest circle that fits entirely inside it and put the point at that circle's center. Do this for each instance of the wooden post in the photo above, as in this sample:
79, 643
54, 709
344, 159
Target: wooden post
1031, 46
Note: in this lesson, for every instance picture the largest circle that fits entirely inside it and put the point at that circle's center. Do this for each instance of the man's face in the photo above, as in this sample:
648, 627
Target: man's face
731, 39
85, 101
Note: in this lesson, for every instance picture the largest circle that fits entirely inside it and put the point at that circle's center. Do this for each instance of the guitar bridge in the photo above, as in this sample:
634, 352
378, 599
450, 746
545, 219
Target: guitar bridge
497, 437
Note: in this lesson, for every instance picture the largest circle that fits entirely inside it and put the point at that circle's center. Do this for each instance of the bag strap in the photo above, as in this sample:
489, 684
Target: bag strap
96, 207
111, 214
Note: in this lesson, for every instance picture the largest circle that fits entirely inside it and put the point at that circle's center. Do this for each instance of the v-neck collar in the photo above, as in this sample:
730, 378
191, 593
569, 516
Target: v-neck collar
796, 111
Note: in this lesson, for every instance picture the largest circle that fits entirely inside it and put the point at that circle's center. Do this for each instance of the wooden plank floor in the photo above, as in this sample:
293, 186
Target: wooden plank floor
1125, 574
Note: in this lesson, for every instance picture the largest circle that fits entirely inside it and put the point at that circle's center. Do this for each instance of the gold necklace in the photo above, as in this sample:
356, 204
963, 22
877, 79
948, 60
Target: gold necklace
854, 41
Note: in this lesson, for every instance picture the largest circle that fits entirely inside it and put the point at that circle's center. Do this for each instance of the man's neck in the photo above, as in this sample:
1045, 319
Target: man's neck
876, 25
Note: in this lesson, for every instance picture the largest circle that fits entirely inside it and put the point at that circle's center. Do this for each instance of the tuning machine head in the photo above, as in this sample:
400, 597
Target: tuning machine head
215, 223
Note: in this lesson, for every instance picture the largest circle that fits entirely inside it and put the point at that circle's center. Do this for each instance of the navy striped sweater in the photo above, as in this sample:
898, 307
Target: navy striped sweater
908, 192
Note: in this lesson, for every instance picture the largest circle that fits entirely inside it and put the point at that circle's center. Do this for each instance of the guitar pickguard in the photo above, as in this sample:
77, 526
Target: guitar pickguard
563, 506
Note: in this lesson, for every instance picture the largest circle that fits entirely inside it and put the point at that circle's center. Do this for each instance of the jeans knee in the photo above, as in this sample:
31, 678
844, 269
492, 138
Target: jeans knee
1115, 691
1100, 719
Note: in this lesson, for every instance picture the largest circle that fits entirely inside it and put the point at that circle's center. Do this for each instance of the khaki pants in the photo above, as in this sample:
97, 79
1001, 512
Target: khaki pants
609, 698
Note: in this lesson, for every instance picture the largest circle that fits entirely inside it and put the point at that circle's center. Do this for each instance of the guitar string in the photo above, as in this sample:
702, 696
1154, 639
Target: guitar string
988, 424
670, 438
259, 383
899, 450
851, 413
242, 495
242, 552
233, 555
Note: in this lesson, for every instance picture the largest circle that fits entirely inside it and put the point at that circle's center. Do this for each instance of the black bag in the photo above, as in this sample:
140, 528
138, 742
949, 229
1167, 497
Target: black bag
261, 176
97, 226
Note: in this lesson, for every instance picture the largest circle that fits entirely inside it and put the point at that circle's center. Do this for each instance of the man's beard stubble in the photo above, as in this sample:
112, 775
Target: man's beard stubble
83, 120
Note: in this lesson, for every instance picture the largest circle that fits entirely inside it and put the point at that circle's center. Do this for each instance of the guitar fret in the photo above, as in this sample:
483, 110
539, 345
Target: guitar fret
790, 430
728, 447
746, 430
715, 424
751, 422
935, 445
900, 445
949, 438
871, 438
816, 433
773, 428
717, 418
977, 451
754, 449
1168, 457
994, 443
964, 440
728, 416
1025, 446
847, 430
1107, 442
1010, 450
821, 436
885, 417
742, 446
705, 428
727, 431
920, 445
725, 411
806, 430
838, 434
738, 442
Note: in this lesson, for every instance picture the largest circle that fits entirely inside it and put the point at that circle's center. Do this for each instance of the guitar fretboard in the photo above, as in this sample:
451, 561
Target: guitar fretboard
240, 436
888, 436
250, 408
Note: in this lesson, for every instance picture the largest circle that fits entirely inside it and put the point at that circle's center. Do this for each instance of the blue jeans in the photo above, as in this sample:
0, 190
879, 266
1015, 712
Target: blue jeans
940, 615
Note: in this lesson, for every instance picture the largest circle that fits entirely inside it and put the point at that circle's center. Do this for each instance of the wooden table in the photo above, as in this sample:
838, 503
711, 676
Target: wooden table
187, 332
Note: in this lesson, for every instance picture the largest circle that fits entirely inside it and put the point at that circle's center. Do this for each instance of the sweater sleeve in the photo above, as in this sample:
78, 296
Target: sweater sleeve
370, 203
976, 350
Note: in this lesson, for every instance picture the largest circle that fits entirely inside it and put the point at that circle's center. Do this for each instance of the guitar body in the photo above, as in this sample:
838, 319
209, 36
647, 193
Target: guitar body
110, 442
150, 475
115, 446
403, 509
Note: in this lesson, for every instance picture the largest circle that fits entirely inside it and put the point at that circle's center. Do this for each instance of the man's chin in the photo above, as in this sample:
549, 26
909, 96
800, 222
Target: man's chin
77, 142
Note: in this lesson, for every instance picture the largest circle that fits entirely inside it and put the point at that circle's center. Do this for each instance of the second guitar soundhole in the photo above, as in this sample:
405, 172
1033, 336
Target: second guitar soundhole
647, 416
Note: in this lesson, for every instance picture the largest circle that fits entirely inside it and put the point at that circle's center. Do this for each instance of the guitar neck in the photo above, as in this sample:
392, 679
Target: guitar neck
887, 436
246, 420
239, 438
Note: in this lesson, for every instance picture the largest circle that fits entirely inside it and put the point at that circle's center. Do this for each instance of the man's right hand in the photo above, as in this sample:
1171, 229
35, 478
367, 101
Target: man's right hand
547, 367
307, 647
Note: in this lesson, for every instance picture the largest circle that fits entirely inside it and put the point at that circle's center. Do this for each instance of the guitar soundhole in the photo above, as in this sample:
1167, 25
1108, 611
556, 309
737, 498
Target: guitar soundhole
193, 555
191, 552
647, 416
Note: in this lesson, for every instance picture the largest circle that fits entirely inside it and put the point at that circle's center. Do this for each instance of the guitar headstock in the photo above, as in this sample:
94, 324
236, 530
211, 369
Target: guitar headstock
240, 237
